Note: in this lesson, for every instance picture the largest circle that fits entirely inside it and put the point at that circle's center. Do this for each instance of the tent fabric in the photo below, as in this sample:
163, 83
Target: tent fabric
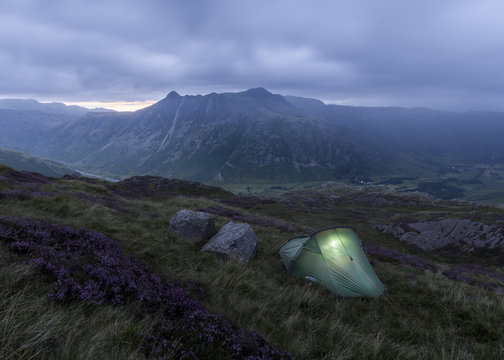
334, 258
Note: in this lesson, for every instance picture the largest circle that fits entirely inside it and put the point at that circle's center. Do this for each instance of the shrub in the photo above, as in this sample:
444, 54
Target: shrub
88, 266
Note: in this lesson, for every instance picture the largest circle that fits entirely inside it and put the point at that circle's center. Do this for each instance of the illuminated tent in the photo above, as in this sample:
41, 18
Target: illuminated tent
334, 258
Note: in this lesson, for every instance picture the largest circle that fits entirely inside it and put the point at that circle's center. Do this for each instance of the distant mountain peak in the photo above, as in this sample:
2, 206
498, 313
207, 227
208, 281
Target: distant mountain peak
258, 91
173, 95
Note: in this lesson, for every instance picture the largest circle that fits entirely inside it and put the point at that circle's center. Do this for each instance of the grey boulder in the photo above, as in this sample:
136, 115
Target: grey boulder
193, 225
236, 241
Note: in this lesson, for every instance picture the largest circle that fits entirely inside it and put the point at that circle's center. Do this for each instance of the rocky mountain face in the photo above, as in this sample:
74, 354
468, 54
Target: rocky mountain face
437, 234
255, 135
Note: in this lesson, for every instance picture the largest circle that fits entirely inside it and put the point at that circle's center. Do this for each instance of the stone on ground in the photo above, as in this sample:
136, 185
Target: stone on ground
236, 241
193, 225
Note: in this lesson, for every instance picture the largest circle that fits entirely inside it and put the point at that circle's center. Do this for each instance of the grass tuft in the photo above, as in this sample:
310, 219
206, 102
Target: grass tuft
437, 317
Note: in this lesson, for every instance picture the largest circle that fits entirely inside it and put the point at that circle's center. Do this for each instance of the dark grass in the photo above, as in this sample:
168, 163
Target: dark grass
431, 316
88, 267
32, 326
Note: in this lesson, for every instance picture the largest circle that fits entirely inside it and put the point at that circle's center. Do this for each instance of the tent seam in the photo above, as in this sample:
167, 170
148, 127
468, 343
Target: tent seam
327, 268
297, 254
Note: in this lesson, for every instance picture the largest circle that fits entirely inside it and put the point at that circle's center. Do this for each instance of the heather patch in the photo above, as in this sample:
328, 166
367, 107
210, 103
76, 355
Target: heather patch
25, 194
455, 274
14, 194
110, 202
441, 317
474, 274
81, 178
481, 270
399, 258
141, 187
307, 204
246, 202
88, 266
24, 177
261, 221
471, 274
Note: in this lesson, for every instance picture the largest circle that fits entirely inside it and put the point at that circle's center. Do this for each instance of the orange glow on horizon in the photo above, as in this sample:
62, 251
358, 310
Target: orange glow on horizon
113, 105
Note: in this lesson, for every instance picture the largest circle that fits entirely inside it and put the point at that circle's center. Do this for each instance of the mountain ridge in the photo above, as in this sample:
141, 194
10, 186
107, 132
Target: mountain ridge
194, 136
255, 135
47, 107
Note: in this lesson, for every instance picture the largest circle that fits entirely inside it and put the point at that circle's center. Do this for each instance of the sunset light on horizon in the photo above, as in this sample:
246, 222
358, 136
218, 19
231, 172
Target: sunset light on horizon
113, 105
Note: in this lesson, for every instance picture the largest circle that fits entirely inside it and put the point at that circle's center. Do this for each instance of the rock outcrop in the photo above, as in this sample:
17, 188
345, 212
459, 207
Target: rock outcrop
379, 198
464, 234
236, 241
193, 225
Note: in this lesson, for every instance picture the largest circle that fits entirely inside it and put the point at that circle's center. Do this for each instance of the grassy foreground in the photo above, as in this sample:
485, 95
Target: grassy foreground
425, 314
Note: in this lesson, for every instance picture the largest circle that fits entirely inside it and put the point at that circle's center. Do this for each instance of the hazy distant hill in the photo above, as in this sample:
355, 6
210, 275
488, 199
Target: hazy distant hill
27, 124
421, 132
252, 134
255, 135
54, 108
26, 162
26, 130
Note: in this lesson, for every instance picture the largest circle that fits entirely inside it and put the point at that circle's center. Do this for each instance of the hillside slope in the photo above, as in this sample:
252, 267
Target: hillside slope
442, 304
27, 162
250, 135
256, 136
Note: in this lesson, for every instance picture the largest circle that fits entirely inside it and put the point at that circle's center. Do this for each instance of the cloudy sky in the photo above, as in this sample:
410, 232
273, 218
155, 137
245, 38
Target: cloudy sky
440, 54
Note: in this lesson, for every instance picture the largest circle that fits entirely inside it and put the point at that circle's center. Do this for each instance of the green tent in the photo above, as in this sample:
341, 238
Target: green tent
334, 258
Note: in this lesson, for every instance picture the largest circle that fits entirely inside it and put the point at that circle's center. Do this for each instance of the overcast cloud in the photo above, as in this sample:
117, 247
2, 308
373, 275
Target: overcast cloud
441, 54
